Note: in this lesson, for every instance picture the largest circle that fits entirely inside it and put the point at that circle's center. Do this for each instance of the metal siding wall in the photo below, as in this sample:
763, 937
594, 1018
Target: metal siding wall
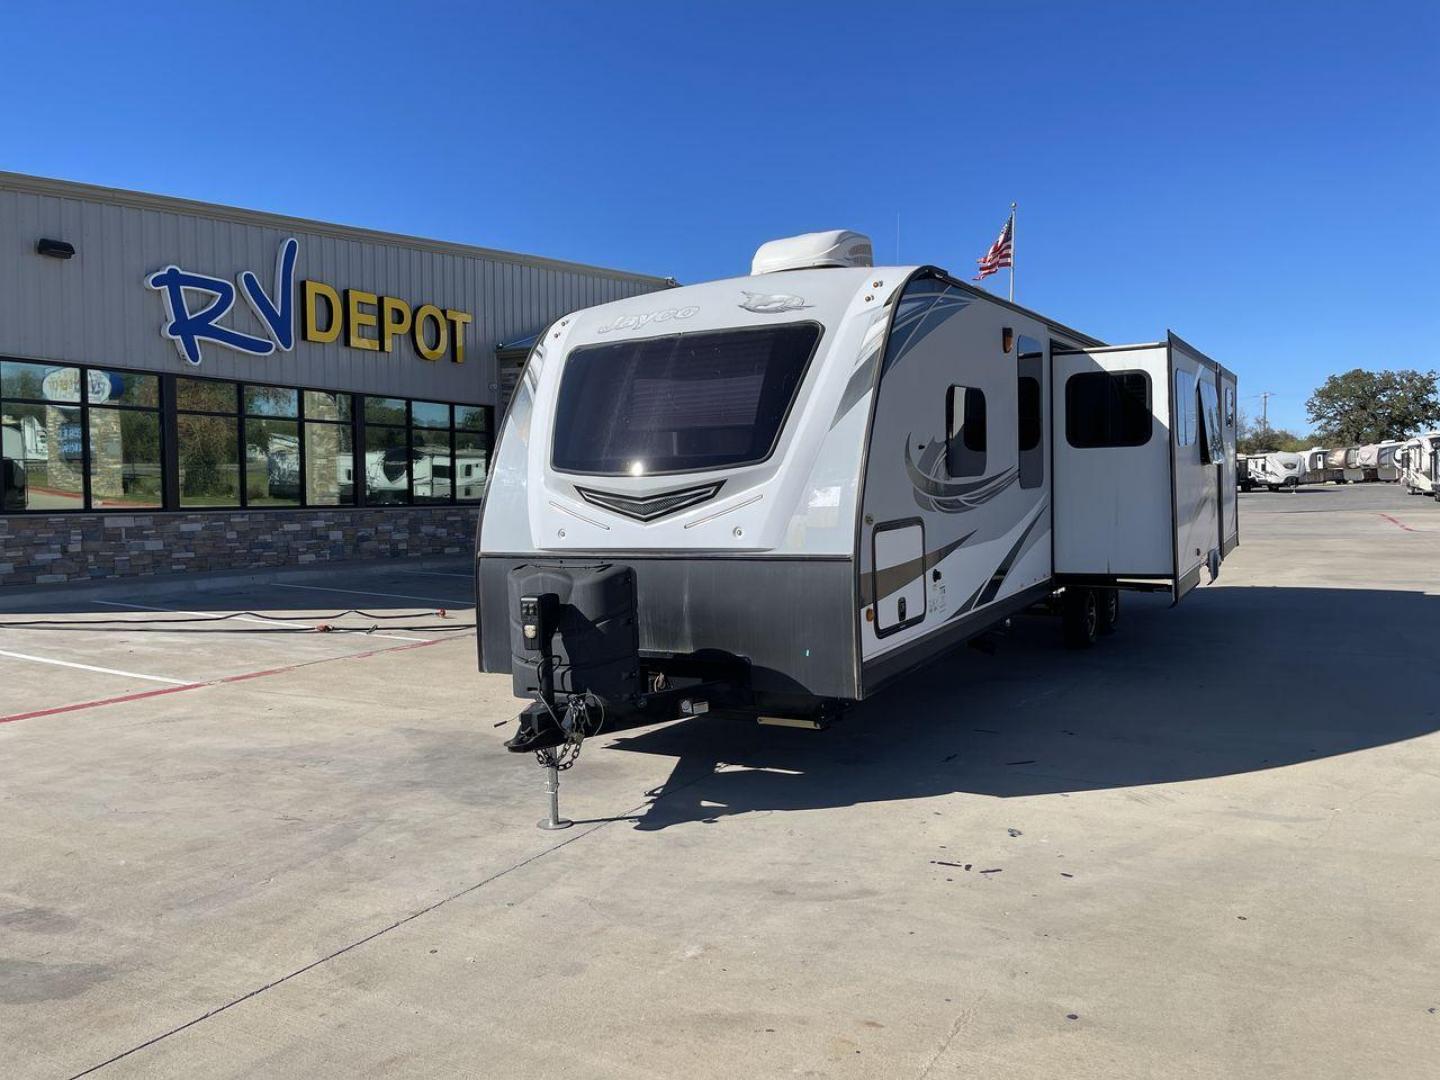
95, 308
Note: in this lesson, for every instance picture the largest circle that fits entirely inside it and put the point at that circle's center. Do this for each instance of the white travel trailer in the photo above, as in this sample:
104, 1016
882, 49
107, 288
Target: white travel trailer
1418, 461
773, 494
1279, 470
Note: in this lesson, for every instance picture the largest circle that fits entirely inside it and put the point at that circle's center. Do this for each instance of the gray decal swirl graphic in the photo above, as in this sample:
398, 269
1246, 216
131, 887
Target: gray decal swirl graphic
936, 490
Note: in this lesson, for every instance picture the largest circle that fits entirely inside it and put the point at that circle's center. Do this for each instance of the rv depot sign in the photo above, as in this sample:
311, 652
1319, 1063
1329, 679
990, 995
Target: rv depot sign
361, 320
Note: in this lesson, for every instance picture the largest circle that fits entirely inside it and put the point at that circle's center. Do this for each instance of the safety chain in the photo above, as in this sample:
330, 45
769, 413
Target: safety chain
567, 753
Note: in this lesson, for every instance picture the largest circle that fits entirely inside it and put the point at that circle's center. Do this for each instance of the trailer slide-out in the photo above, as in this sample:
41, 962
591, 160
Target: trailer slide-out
774, 494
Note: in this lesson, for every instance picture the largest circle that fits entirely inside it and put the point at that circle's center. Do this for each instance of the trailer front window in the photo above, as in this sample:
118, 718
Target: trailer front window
680, 403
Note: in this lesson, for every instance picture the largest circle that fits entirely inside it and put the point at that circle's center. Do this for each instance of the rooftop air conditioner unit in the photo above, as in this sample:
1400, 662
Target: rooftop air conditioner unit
837, 247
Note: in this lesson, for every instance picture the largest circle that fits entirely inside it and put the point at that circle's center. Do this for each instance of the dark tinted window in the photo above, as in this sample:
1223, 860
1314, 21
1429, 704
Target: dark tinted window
680, 403
1107, 408
965, 434
1028, 422
1030, 412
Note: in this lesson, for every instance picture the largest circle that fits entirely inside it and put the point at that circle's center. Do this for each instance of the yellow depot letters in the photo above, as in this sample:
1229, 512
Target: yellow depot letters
372, 322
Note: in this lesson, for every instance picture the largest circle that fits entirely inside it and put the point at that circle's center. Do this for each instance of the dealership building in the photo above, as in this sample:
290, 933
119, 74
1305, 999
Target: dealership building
189, 387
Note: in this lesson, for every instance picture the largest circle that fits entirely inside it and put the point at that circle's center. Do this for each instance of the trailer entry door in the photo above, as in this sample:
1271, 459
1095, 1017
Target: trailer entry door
1114, 497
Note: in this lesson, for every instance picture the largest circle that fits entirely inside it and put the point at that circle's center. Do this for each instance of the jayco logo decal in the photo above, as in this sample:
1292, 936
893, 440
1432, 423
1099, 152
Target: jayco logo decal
635, 322
188, 329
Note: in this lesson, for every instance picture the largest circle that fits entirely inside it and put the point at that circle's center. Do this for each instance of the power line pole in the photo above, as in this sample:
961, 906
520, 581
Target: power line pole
1265, 396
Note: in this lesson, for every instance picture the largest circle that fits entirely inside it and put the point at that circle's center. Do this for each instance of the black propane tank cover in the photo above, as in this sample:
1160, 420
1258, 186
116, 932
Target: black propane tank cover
594, 644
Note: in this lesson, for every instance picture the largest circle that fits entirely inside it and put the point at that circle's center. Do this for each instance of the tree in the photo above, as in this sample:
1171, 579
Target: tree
1362, 407
1258, 440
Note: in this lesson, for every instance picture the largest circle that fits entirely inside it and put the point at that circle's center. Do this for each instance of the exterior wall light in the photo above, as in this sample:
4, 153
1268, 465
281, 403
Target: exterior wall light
56, 249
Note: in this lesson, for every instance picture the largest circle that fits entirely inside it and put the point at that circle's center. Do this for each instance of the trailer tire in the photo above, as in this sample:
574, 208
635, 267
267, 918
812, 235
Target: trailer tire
1079, 617
1108, 603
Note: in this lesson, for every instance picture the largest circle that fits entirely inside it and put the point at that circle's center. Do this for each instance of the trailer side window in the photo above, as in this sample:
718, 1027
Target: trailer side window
1107, 408
1030, 413
1185, 411
1212, 446
965, 435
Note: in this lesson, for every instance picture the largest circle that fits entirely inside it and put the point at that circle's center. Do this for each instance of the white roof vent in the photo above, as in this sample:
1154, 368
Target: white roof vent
837, 247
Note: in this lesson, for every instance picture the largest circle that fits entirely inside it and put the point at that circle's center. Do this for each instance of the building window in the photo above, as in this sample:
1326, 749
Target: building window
472, 451
431, 456
965, 436
80, 438
126, 468
272, 446
329, 449
207, 430
387, 452
1107, 408
76, 438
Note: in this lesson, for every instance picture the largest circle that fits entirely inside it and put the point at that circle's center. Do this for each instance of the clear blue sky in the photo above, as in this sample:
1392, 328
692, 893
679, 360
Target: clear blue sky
1262, 178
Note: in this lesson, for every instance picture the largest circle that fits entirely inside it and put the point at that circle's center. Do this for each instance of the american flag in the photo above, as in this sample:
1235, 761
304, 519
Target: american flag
999, 255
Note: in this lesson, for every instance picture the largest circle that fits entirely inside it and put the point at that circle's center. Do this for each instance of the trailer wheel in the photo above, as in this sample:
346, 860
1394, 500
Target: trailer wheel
1079, 617
1108, 602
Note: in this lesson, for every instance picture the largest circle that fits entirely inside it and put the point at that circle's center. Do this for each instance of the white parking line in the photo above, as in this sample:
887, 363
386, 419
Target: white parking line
372, 592
246, 618
92, 667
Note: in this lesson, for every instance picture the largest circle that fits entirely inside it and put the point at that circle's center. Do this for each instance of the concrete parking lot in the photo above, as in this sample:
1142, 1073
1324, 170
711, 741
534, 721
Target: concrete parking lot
1208, 847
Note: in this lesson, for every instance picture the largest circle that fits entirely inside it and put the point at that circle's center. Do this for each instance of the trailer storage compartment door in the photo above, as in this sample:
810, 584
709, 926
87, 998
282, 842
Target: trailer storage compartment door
1114, 501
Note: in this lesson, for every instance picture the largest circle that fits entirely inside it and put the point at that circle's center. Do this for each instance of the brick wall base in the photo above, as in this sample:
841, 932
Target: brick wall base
37, 549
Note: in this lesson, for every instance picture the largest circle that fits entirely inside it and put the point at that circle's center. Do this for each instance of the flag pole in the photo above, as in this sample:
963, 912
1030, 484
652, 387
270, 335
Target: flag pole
1012, 252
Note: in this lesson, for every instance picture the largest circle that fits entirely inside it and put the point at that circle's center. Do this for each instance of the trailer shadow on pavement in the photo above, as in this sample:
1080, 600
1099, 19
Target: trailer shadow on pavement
1243, 679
